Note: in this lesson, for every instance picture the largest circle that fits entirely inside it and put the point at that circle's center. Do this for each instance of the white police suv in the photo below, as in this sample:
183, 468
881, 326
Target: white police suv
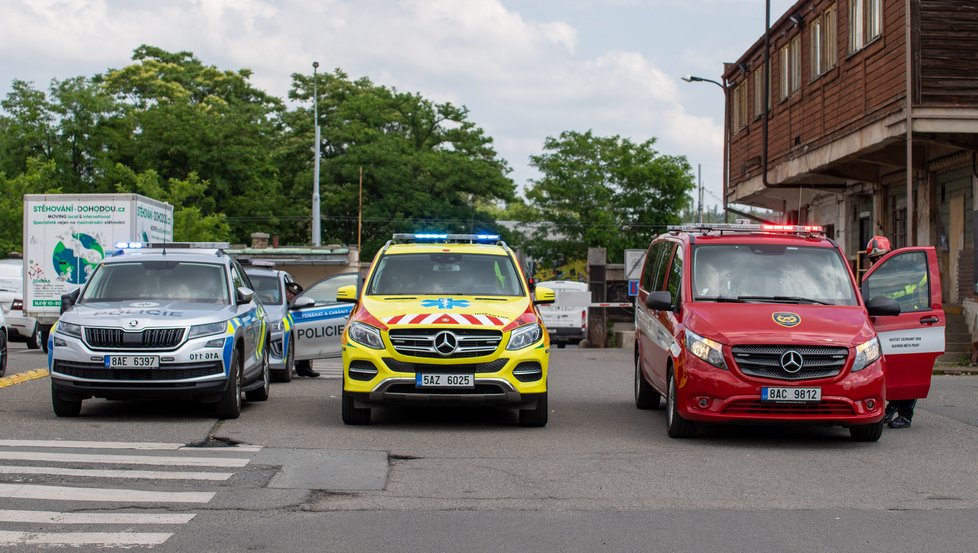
161, 322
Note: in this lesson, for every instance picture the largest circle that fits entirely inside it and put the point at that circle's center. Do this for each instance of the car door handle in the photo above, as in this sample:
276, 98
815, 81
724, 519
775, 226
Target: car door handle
929, 320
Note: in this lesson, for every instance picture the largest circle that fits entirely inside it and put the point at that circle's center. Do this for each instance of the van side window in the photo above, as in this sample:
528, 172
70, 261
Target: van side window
651, 258
660, 272
904, 279
674, 284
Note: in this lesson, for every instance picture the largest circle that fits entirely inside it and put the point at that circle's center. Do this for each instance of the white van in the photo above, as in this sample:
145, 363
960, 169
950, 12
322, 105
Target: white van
566, 319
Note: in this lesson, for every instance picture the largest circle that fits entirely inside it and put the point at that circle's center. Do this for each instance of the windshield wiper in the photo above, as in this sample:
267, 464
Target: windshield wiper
721, 299
792, 299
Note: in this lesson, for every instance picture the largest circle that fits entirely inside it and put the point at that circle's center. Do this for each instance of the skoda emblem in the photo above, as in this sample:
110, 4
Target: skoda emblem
445, 343
791, 361
133, 323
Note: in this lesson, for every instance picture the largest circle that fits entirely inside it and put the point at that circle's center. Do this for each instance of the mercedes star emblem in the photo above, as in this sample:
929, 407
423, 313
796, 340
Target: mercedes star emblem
445, 343
791, 361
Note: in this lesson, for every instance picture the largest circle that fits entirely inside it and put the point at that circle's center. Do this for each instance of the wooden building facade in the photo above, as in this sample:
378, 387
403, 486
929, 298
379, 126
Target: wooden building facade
837, 150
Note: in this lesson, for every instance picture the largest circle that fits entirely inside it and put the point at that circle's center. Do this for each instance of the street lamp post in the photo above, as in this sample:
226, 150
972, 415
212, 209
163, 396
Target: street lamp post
726, 139
316, 232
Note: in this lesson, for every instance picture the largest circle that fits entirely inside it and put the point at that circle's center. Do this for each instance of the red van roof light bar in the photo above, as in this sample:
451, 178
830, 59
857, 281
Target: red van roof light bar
720, 228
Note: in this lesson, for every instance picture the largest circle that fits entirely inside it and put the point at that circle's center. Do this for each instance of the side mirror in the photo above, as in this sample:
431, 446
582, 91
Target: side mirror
543, 295
659, 301
302, 303
69, 299
347, 294
882, 306
244, 295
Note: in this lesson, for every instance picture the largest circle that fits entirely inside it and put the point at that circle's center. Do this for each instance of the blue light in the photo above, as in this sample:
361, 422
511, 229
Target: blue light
487, 237
431, 237
129, 245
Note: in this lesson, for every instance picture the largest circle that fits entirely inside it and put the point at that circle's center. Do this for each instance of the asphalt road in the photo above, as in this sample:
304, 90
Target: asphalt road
602, 475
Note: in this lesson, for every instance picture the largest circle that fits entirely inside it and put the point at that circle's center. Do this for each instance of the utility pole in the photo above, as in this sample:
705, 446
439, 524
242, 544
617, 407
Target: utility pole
316, 232
699, 180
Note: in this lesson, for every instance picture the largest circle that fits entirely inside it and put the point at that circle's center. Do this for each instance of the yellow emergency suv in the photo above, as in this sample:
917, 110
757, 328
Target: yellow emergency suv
445, 319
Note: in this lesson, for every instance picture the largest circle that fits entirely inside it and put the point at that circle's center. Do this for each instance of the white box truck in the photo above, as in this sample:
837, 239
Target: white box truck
67, 235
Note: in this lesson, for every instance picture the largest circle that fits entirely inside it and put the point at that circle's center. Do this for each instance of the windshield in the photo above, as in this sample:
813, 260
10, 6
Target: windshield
770, 272
160, 281
267, 288
446, 273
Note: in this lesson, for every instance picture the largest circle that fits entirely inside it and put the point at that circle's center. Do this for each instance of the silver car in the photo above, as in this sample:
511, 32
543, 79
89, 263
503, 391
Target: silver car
162, 323
271, 286
20, 328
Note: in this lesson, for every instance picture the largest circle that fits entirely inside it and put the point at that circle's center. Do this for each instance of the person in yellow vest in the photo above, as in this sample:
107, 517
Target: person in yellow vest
899, 413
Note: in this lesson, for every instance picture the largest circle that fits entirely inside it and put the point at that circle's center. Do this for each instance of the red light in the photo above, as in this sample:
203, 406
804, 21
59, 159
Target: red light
17, 305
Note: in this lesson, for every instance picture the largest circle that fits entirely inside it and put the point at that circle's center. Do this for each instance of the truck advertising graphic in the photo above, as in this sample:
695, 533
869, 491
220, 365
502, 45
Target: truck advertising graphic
66, 236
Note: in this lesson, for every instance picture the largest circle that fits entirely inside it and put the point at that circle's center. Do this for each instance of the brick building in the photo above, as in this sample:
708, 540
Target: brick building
837, 150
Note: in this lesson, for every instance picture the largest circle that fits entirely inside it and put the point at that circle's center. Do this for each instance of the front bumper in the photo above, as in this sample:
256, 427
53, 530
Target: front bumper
512, 378
729, 396
192, 370
567, 335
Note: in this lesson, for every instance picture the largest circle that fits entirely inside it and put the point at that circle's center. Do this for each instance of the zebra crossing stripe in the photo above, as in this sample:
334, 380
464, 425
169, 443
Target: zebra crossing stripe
124, 459
123, 445
53, 517
64, 493
133, 474
106, 539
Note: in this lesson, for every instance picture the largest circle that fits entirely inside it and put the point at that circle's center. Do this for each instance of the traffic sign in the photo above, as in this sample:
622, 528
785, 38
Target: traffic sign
634, 261
632, 287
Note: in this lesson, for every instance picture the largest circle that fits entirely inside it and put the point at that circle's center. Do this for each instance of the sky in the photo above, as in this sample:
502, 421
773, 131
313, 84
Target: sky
525, 69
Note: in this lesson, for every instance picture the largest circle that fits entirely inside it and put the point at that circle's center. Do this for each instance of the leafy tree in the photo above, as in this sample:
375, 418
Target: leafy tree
425, 165
603, 192
37, 179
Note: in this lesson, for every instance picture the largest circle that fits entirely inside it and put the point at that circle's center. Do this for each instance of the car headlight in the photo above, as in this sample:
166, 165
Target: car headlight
197, 331
524, 336
366, 335
69, 329
866, 354
706, 349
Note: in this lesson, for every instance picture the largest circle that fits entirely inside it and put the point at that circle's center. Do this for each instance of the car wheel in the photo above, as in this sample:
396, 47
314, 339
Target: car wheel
44, 339
866, 432
353, 414
3, 353
645, 395
676, 425
537, 416
229, 406
64, 407
261, 394
285, 375
34, 342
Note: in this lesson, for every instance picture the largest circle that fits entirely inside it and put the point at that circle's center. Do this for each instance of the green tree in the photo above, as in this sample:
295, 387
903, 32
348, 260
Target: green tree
426, 166
36, 179
603, 192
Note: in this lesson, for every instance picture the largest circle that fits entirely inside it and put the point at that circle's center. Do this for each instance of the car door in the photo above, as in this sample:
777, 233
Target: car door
251, 319
653, 336
318, 327
914, 339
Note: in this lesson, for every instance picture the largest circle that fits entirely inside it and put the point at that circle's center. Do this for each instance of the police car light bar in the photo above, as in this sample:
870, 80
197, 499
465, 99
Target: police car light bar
437, 237
742, 227
128, 245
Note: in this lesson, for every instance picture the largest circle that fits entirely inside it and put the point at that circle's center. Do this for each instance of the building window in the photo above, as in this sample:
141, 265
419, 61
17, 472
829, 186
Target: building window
823, 42
759, 93
865, 22
791, 67
739, 106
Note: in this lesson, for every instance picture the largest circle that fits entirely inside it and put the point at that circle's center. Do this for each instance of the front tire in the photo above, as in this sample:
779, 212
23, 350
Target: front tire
352, 414
538, 416
676, 425
64, 407
645, 395
261, 394
34, 342
866, 432
229, 406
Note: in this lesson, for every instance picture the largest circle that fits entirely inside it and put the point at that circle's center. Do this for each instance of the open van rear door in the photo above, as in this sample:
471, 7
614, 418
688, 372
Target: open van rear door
914, 339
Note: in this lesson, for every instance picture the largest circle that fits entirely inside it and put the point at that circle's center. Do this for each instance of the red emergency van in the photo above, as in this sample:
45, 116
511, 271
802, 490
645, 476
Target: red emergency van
766, 323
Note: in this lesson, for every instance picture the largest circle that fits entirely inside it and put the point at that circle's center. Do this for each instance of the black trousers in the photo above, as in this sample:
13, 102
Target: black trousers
902, 407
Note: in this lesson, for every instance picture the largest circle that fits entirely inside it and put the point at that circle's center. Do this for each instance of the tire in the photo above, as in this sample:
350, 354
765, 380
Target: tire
676, 425
261, 394
64, 407
645, 395
285, 375
34, 342
45, 333
4, 352
536, 417
229, 406
866, 432
352, 414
